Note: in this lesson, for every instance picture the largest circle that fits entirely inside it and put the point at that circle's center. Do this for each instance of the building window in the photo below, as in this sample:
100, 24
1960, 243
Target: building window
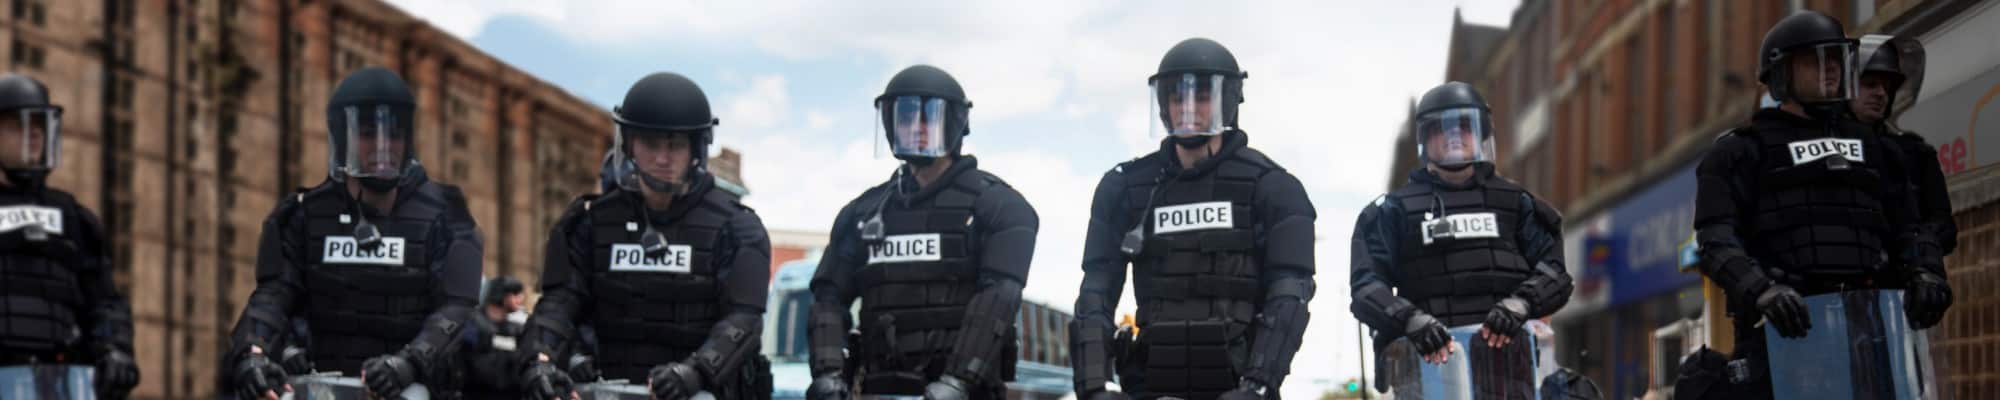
32, 11
27, 55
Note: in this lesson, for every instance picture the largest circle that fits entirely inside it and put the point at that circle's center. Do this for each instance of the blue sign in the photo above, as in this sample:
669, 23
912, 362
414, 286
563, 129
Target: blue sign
1644, 240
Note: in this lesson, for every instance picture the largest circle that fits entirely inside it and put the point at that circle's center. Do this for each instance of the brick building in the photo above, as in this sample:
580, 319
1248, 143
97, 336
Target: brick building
187, 119
1603, 108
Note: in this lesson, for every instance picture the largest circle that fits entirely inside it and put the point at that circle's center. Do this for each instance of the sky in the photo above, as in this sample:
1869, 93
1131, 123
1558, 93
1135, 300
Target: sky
1058, 91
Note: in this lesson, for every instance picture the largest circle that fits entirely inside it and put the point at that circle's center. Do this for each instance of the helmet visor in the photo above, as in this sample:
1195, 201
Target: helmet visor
1824, 72
915, 125
1187, 104
37, 138
1454, 136
377, 146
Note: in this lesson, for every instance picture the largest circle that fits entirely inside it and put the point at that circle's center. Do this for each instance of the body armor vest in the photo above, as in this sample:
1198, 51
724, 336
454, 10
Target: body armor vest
364, 301
917, 281
650, 309
1818, 206
41, 296
1458, 253
1197, 275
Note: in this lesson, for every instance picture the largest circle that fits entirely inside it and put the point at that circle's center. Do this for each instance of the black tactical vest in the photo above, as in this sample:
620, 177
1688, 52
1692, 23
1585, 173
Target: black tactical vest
1817, 207
653, 309
1197, 274
918, 278
40, 291
1458, 254
364, 302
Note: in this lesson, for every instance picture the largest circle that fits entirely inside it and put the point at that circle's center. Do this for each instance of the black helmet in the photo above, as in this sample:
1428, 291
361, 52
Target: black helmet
1204, 65
1802, 30
927, 96
498, 288
1902, 57
664, 103
369, 101
27, 98
1458, 108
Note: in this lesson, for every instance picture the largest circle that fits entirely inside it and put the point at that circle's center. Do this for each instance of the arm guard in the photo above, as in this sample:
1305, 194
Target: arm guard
833, 295
730, 344
1091, 353
1541, 242
266, 318
551, 329
1280, 329
1719, 196
110, 322
989, 317
1373, 301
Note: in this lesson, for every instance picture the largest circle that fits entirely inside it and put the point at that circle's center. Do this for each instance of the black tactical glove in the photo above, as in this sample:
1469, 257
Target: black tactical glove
294, 360
1426, 333
257, 377
828, 387
1507, 317
1248, 390
387, 375
1785, 310
581, 368
544, 382
673, 381
116, 373
1926, 300
947, 387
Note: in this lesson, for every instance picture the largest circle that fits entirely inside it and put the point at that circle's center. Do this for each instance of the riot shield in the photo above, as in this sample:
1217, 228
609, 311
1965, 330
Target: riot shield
1860, 347
332, 386
47, 382
620, 389
1474, 372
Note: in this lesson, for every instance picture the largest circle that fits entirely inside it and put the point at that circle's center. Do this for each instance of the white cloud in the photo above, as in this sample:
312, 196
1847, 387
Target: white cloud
763, 106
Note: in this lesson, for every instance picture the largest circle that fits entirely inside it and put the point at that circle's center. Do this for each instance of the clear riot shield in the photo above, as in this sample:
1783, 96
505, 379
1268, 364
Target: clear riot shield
1860, 347
620, 389
1474, 372
47, 382
332, 386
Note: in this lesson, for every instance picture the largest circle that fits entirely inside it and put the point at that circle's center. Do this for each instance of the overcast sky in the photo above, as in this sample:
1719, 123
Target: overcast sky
1058, 89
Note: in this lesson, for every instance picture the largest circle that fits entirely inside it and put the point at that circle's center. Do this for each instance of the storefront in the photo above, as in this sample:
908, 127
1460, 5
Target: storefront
1633, 302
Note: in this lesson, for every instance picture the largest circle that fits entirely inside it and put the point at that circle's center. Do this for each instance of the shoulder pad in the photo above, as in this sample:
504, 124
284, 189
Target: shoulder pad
1379, 199
1257, 158
1502, 183
1546, 213
1743, 131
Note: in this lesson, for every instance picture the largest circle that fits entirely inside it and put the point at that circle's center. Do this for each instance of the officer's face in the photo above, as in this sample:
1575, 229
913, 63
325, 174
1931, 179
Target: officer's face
1814, 78
915, 132
1872, 99
663, 157
1203, 102
1451, 141
516, 301
22, 148
379, 153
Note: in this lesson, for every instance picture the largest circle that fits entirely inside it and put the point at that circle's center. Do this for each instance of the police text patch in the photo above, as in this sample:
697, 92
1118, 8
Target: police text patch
1462, 226
906, 248
22, 216
632, 257
1196, 216
1805, 151
344, 250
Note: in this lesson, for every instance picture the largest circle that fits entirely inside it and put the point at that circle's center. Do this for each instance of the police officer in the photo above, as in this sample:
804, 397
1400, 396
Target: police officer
1220, 241
1892, 69
492, 341
381, 262
1803, 201
670, 270
1458, 244
937, 256
57, 302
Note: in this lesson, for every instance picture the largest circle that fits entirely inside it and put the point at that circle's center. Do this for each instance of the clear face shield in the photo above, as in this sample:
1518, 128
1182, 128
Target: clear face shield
377, 146
1454, 137
1823, 73
1188, 104
37, 137
915, 126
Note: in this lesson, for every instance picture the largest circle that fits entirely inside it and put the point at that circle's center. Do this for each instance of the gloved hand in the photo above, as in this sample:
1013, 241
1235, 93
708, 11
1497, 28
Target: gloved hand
1426, 333
259, 378
544, 381
1926, 300
1503, 323
294, 360
828, 387
387, 375
1785, 310
117, 373
1248, 390
673, 381
582, 368
947, 387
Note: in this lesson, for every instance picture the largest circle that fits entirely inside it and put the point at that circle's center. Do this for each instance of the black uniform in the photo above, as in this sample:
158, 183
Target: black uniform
491, 346
938, 289
1221, 288
699, 302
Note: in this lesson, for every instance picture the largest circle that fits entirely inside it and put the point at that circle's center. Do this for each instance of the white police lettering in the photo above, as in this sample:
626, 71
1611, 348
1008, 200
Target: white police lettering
1190, 217
1805, 151
632, 257
1462, 226
22, 216
344, 250
906, 248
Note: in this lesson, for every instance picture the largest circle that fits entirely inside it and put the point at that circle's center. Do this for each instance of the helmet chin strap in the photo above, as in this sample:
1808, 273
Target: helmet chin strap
1192, 141
27, 178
